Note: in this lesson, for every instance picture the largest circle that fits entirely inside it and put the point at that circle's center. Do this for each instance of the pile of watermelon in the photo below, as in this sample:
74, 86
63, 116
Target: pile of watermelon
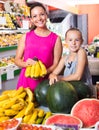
73, 98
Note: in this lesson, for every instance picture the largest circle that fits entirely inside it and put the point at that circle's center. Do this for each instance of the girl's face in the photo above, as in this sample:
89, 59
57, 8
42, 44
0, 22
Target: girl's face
38, 16
74, 40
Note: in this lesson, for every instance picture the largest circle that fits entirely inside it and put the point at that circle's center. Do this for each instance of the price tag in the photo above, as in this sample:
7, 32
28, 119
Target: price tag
2, 20
0, 83
10, 74
25, 24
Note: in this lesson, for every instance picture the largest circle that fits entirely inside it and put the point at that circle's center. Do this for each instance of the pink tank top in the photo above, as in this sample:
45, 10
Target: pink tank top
43, 49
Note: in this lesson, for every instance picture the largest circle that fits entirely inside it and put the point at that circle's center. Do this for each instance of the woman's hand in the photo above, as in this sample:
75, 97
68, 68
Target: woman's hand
52, 78
30, 62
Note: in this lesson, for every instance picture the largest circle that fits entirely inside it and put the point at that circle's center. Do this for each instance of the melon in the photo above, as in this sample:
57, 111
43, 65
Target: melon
63, 119
87, 110
41, 92
82, 89
61, 96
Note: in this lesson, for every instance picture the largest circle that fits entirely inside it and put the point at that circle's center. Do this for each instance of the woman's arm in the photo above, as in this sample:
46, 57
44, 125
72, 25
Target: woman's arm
82, 61
57, 55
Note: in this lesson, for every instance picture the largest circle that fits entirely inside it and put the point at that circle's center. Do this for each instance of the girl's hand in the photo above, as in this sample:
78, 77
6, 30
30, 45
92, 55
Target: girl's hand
30, 62
52, 78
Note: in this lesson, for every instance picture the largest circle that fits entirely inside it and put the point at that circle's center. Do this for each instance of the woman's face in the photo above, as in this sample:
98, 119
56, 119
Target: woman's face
39, 16
74, 40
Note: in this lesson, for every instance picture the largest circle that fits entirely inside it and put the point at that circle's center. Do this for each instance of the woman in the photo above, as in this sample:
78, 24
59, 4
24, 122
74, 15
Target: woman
40, 43
76, 63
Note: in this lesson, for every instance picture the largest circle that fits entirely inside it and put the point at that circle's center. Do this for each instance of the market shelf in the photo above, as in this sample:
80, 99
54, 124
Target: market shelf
7, 48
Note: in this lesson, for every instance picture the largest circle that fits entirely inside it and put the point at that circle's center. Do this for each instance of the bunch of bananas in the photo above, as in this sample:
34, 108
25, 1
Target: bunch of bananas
36, 71
21, 103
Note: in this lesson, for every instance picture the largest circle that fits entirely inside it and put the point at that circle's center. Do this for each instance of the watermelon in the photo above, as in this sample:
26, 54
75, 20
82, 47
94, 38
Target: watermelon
63, 119
61, 96
87, 110
41, 92
82, 89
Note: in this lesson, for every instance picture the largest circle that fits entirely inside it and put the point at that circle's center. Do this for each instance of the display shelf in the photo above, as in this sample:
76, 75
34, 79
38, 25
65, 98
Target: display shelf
7, 48
4, 76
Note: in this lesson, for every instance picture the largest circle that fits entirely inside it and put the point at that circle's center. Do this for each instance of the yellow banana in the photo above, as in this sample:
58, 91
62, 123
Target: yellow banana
41, 113
27, 71
33, 117
29, 94
32, 71
22, 95
10, 112
26, 118
8, 92
18, 106
3, 102
3, 97
21, 113
37, 70
43, 69
3, 118
1, 112
48, 114
18, 92
9, 103
29, 108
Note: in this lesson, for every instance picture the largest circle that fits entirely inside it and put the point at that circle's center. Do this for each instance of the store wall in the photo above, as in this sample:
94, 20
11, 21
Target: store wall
93, 19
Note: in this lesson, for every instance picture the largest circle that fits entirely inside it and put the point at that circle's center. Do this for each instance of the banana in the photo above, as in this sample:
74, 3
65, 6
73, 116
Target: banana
9, 103
30, 94
22, 95
10, 112
26, 118
41, 113
39, 120
32, 71
18, 106
29, 108
43, 69
48, 114
1, 112
3, 118
33, 117
27, 71
3, 102
21, 113
8, 92
18, 92
3, 97
37, 70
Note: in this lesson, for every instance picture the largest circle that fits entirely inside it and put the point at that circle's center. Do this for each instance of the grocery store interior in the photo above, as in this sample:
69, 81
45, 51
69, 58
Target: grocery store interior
21, 106
14, 21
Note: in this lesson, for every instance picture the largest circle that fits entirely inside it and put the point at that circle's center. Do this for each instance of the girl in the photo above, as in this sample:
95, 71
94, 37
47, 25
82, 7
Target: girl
76, 63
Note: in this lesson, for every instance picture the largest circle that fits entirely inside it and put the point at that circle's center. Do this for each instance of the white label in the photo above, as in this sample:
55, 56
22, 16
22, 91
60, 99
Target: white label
25, 24
10, 74
2, 20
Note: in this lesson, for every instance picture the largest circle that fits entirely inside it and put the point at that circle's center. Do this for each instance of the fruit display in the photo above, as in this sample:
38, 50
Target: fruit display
11, 124
21, 103
87, 110
9, 39
37, 70
8, 24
